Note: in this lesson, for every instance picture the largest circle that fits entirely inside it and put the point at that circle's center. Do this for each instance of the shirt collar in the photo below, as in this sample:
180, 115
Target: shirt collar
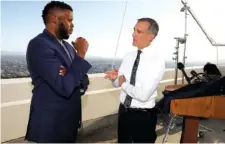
147, 49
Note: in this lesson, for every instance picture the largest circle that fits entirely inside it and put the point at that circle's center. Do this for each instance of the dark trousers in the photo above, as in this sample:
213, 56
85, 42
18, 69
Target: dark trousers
136, 126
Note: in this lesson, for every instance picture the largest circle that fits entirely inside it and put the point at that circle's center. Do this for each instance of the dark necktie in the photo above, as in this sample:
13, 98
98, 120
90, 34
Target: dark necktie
128, 99
66, 50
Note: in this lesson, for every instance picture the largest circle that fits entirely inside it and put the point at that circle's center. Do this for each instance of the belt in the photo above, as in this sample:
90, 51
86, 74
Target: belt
137, 109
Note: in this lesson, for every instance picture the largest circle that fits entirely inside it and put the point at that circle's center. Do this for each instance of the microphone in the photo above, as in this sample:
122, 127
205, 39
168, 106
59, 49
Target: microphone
194, 73
204, 77
180, 66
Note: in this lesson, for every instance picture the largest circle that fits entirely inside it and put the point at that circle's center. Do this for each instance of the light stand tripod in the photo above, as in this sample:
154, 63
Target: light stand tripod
181, 41
187, 9
184, 9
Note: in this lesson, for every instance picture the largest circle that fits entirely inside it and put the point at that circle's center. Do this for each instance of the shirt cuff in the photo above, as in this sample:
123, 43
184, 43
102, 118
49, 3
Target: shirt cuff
115, 82
124, 86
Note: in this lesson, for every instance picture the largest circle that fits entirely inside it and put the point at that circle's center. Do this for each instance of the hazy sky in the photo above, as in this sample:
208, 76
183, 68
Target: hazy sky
100, 21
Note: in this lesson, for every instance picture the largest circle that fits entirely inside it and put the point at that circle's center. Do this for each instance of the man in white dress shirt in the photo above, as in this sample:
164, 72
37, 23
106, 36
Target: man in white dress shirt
139, 76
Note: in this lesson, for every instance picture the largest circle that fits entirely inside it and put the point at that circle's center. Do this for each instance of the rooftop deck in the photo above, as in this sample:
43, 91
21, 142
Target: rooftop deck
108, 134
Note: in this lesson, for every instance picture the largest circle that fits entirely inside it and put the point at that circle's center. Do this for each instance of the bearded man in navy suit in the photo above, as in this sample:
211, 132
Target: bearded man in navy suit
59, 76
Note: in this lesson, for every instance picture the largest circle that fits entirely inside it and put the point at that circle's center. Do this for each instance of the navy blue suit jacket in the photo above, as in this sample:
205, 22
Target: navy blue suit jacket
55, 111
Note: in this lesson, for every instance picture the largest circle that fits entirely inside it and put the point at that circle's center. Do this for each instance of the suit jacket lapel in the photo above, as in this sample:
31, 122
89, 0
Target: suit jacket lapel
59, 47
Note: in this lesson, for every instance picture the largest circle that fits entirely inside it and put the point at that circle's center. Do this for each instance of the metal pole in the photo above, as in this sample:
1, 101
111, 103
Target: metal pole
185, 37
179, 41
217, 56
176, 61
168, 129
117, 45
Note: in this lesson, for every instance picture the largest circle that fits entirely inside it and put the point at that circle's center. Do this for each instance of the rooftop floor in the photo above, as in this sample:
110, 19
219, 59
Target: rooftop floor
109, 134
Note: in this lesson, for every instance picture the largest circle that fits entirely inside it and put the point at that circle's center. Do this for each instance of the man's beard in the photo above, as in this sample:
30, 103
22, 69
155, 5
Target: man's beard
62, 33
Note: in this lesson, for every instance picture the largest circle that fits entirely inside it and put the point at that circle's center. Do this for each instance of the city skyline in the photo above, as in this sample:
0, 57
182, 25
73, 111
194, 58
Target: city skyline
100, 22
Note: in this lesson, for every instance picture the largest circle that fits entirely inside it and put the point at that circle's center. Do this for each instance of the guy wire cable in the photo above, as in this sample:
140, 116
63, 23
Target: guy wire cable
119, 36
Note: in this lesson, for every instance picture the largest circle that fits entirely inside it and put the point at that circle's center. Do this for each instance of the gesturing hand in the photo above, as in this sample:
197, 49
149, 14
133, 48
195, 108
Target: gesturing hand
121, 80
81, 45
111, 75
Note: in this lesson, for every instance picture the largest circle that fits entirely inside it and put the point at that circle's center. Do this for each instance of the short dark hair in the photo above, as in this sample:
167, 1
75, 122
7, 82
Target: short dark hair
52, 5
153, 25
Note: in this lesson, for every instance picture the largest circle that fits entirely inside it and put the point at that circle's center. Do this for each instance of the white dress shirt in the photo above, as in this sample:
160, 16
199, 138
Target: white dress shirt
150, 71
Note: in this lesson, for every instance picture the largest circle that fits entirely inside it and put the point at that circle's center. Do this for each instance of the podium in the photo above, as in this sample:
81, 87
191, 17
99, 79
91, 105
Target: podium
192, 109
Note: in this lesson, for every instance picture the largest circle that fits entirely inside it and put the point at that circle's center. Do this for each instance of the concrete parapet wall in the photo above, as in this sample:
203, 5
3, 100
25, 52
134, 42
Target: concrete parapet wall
100, 100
